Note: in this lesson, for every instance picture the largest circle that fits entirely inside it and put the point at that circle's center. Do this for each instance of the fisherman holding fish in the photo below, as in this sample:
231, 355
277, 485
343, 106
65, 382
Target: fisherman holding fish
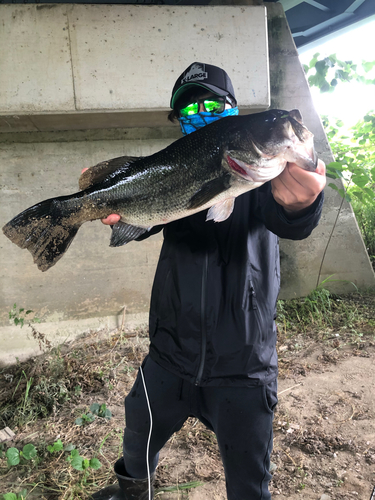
223, 194
212, 317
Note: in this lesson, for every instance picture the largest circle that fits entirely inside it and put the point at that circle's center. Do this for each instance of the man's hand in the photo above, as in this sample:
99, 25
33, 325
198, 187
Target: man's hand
111, 219
296, 189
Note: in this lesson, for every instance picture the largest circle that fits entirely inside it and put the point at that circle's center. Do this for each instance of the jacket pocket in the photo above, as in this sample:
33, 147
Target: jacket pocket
270, 396
249, 300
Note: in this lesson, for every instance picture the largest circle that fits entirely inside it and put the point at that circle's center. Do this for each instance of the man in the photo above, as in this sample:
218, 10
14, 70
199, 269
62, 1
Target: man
212, 316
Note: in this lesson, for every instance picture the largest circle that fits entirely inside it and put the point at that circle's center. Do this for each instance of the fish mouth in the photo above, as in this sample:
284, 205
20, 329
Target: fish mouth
300, 149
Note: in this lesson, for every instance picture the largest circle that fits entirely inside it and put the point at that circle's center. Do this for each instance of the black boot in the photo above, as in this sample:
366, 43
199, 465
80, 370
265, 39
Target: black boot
127, 488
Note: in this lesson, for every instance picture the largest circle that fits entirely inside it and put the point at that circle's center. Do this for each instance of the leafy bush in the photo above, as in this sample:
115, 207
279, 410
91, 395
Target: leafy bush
365, 215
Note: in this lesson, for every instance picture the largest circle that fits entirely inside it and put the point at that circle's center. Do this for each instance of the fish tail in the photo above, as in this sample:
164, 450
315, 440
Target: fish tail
43, 231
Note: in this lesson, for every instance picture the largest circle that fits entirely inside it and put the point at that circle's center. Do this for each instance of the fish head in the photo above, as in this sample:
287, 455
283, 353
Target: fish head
261, 145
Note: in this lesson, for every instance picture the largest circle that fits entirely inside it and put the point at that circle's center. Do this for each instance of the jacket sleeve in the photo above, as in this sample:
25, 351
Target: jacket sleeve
276, 219
153, 230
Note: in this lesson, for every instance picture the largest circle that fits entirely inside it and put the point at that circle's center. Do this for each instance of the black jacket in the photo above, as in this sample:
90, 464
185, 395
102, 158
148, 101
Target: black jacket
213, 303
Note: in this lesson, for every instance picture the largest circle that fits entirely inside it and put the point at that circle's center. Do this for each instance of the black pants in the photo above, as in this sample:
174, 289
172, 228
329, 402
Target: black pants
241, 418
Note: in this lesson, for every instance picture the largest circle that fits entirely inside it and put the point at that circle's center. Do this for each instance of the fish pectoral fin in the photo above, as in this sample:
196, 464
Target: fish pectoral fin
208, 191
122, 233
99, 172
221, 211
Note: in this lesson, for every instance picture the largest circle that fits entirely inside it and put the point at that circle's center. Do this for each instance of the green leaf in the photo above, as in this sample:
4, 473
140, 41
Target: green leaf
331, 176
69, 447
358, 194
57, 446
367, 66
333, 186
321, 67
360, 181
95, 463
85, 463
78, 421
325, 87
10, 496
29, 451
335, 165
13, 456
332, 58
108, 414
95, 407
77, 463
369, 192
74, 453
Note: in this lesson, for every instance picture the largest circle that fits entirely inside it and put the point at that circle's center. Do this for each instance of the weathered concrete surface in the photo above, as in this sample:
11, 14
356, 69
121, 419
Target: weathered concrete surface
63, 63
90, 285
93, 281
335, 248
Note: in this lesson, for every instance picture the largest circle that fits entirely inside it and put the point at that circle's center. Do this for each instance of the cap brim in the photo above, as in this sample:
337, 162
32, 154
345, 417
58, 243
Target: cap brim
184, 88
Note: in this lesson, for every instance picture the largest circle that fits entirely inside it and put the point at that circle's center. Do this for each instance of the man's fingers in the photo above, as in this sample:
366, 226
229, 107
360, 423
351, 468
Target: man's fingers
296, 189
111, 219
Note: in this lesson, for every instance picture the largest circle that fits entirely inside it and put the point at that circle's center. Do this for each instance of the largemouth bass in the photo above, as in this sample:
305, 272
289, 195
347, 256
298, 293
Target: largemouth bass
206, 169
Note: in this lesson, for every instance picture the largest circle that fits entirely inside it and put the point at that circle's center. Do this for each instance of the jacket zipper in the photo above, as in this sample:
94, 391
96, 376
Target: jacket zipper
253, 297
203, 320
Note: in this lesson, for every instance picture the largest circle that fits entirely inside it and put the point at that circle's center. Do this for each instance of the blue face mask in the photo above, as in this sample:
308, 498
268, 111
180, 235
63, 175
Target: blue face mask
192, 123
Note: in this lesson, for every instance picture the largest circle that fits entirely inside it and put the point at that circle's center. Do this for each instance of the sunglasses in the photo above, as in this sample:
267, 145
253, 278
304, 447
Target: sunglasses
212, 105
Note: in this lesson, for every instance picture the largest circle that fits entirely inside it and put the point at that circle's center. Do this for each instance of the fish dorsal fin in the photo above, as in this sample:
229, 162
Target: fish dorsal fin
208, 191
123, 233
97, 173
221, 211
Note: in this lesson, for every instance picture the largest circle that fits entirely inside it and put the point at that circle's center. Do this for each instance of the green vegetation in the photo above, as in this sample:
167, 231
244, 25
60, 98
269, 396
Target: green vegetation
15, 456
96, 410
180, 487
18, 316
29, 452
353, 150
328, 72
81, 463
14, 496
324, 311
42, 398
55, 447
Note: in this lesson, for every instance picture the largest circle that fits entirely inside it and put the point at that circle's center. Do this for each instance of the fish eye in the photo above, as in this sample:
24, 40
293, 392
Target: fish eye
270, 118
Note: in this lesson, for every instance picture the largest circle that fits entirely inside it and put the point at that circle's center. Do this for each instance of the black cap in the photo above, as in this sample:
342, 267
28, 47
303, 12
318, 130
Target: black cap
203, 75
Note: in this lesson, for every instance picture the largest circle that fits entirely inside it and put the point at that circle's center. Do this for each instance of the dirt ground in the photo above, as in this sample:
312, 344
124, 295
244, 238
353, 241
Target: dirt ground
324, 432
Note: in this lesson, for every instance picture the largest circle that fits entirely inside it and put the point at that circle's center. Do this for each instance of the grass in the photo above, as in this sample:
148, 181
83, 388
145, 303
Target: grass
323, 309
42, 398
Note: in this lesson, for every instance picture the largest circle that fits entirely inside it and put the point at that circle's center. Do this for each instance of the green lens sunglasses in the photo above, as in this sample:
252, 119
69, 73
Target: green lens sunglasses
216, 105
